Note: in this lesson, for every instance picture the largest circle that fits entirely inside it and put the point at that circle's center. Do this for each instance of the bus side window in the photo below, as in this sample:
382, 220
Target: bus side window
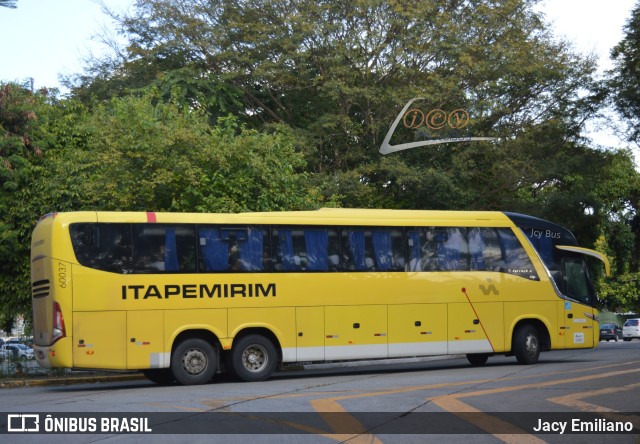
516, 259
214, 250
484, 249
104, 247
305, 248
373, 249
438, 249
163, 248
252, 250
353, 249
115, 248
285, 257
454, 253
82, 240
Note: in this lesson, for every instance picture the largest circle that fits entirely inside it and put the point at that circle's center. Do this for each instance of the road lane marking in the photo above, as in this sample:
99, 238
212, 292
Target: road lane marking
453, 404
575, 401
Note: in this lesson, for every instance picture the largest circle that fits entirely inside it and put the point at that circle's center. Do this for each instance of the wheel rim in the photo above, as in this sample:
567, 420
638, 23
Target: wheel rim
255, 358
531, 345
194, 361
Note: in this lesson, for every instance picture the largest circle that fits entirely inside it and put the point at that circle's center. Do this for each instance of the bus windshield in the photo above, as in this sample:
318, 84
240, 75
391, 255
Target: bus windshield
567, 268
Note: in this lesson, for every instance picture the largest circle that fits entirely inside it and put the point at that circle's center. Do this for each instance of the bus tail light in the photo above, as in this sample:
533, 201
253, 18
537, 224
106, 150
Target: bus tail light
59, 330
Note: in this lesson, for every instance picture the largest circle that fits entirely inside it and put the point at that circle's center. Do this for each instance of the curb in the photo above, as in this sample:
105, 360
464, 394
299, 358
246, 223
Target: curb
13, 383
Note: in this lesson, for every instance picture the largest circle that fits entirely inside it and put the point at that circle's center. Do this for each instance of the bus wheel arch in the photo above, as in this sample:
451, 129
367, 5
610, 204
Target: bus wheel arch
530, 337
194, 357
254, 355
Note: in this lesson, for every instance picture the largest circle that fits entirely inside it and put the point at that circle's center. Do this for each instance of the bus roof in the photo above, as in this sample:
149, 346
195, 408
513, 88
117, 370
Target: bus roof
344, 216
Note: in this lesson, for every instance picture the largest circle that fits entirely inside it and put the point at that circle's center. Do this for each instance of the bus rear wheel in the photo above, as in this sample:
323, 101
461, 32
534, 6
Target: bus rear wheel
526, 344
194, 361
253, 358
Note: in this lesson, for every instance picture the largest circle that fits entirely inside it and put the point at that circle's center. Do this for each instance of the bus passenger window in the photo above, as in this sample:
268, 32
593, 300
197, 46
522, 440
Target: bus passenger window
484, 249
438, 249
305, 249
161, 248
214, 250
234, 249
252, 250
516, 259
375, 249
104, 247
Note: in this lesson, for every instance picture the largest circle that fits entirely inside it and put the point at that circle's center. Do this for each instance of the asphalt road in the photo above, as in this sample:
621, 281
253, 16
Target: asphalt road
444, 400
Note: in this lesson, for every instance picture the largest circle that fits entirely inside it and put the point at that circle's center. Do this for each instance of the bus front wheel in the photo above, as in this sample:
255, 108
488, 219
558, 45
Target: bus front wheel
526, 344
253, 358
194, 361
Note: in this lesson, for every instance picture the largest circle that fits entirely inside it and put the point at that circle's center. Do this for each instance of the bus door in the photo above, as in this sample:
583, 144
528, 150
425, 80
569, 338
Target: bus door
577, 315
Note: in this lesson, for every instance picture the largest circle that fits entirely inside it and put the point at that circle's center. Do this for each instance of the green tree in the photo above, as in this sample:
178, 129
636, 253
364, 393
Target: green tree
623, 81
23, 141
339, 72
140, 154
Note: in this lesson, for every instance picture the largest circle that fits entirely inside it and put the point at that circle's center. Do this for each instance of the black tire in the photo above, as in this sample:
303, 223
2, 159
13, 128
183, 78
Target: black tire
194, 361
526, 344
477, 359
161, 376
253, 358
626, 339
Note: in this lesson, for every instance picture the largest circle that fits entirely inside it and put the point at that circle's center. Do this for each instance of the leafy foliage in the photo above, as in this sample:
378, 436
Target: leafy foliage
22, 144
623, 81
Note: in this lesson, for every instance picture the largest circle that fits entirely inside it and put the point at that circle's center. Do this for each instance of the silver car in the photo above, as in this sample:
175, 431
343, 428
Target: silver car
631, 329
20, 351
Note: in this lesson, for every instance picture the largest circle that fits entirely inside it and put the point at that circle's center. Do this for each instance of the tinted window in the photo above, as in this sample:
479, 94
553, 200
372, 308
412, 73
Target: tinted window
135, 248
438, 249
163, 248
485, 250
106, 247
234, 248
464, 249
376, 249
306, 249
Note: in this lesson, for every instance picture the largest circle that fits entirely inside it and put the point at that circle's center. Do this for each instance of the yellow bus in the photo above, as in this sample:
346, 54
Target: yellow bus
182, 297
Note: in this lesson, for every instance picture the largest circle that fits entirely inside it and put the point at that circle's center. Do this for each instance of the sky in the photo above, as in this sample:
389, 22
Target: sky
51, 38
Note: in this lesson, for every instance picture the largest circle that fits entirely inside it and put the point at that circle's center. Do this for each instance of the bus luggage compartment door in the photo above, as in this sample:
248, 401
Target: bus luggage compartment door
98, 339
355, 332
145, 340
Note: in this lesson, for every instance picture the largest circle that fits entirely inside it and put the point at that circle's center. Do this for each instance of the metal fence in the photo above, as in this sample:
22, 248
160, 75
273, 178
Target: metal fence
14, 368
